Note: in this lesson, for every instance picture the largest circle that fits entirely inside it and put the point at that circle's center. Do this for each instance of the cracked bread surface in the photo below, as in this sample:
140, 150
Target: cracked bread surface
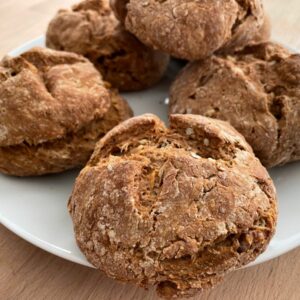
91, 29
175, 207
257, 90
193, 29
54, 108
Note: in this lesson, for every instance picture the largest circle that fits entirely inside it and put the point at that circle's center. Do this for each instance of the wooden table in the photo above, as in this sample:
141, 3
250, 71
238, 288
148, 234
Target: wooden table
27, 272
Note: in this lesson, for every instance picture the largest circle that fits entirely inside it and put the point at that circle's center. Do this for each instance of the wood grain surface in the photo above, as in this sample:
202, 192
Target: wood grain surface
27, 272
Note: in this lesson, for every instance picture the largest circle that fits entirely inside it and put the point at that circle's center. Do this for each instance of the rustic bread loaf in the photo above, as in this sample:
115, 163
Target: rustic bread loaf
194, 29
91, 29
175, 207
54, 108
257, 90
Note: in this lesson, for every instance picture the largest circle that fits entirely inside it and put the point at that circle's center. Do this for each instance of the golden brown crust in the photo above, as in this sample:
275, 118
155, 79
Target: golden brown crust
248, 35
54, 107
90, 29
256, 90
177, 208
46, 93
174, 26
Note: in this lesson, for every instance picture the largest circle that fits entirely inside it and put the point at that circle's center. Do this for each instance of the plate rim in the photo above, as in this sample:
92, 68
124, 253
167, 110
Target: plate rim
42, 244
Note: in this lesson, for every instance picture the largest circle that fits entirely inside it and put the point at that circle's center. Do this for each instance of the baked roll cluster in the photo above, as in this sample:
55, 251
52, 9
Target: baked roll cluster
91, 29
175, 207
54, 108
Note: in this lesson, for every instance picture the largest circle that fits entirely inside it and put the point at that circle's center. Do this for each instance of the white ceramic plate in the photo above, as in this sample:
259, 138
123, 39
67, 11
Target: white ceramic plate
35, 208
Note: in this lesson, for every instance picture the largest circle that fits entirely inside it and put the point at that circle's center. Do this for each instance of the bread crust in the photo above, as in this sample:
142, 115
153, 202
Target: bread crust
54, 107
174, 207
248, 35
257, 90
91, 29
192, 29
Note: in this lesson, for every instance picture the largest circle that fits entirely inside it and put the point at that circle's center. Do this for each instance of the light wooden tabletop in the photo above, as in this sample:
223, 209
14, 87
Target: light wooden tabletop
27, 272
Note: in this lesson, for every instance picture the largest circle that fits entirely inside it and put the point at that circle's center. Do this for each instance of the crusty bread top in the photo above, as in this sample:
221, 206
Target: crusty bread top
83, 28
45, 94
193, 29
100, 6
257, 90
